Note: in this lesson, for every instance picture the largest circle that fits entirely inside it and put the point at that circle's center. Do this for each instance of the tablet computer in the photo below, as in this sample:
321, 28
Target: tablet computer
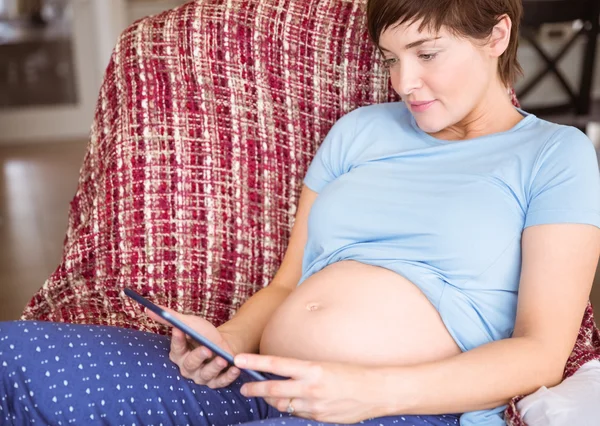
190, 332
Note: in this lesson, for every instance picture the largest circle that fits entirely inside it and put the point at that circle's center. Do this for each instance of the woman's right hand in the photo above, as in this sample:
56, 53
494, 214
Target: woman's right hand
196, 361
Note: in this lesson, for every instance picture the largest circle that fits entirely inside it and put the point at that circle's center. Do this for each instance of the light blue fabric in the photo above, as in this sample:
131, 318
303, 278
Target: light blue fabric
447, 215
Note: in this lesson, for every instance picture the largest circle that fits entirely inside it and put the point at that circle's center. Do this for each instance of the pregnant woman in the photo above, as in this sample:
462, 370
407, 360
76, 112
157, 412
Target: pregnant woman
441, 245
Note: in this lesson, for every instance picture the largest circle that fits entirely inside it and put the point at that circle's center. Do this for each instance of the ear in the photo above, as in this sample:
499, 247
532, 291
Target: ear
500, 37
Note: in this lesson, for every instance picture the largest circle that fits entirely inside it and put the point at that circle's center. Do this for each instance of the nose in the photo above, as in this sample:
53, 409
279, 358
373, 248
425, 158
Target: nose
406, 78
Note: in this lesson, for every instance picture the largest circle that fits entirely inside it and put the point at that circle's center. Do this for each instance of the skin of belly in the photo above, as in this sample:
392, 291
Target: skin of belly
360, 314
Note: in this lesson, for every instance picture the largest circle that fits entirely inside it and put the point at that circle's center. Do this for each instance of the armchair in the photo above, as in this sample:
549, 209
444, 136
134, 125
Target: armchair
205, 125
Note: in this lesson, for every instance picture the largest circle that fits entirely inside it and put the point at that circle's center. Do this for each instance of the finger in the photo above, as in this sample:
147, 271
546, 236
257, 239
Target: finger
196, 358
279, 404
272, 401
286, 367
226, 378
192, 344
273, 389
282, 405
206, 374
179, 345
160, 319
155, 317
201, 364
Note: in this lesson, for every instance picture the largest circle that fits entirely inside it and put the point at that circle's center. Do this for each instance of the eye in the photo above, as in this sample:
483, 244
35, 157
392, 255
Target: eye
388, 63
428, 56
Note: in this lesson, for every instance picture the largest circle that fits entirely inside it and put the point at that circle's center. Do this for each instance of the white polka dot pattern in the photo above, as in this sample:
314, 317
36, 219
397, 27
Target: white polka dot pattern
66, 374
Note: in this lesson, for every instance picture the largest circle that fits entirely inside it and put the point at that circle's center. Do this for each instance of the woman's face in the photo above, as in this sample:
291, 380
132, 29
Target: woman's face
440, 77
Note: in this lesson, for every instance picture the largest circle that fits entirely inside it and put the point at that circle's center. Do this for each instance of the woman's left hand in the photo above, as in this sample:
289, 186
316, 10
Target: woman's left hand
321, 391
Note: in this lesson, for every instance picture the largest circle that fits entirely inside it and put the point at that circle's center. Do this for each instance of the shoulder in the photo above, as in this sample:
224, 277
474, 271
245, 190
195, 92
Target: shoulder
566, 159
564, 143
572, 137
542, 139
552, 133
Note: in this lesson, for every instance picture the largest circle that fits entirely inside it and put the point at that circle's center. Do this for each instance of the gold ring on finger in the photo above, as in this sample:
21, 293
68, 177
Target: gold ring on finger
290, 407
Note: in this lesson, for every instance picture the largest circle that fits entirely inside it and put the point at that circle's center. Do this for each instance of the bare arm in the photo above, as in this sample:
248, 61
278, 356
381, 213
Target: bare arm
559, 262
246, 327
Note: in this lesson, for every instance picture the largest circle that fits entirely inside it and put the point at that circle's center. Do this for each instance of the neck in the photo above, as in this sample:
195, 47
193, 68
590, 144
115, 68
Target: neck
495, 113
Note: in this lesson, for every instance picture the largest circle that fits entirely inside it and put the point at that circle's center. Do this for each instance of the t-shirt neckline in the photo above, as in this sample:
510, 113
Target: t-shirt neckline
527, 118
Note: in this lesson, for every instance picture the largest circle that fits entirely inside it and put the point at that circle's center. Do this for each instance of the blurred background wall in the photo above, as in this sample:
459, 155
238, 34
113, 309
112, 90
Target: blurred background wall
52, 58
53, 54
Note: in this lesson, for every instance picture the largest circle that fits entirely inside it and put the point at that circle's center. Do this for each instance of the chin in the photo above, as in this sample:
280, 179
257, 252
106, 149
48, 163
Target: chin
430, 126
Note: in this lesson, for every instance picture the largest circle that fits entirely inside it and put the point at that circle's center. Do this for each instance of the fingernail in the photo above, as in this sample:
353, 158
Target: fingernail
243, 390
240, 360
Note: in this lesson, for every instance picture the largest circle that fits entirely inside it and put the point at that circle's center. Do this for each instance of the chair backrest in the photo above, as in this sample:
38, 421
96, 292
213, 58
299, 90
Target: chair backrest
206, 122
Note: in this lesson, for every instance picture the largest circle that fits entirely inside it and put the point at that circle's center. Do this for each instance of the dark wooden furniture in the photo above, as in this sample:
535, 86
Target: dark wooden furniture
539, 12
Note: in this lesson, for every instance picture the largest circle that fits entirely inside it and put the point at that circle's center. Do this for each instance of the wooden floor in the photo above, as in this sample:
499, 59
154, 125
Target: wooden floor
37, 183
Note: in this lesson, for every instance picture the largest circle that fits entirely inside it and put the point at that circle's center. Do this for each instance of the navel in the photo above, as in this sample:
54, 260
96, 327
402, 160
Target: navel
313, 306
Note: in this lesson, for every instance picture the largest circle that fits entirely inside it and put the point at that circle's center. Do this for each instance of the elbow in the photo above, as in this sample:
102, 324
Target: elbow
557, 371
552, 368
554, 375
541, 373
546, 363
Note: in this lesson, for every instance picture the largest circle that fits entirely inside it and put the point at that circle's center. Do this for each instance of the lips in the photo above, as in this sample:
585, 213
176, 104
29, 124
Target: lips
420, 106
420, 103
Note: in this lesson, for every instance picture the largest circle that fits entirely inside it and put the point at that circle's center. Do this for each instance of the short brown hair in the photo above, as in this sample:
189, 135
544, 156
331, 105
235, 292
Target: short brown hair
465, 18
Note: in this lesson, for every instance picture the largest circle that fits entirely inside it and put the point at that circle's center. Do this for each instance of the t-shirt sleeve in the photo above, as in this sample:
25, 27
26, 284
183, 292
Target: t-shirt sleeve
565, 185
331, 159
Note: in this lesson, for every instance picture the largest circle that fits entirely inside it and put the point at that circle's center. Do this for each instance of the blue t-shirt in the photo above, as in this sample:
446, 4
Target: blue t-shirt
447, 215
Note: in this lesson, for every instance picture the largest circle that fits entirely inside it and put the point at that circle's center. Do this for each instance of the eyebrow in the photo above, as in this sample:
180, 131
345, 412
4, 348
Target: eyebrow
414, 43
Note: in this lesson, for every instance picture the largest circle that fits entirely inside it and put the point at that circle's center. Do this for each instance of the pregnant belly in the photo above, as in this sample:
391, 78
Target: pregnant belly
357, 313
